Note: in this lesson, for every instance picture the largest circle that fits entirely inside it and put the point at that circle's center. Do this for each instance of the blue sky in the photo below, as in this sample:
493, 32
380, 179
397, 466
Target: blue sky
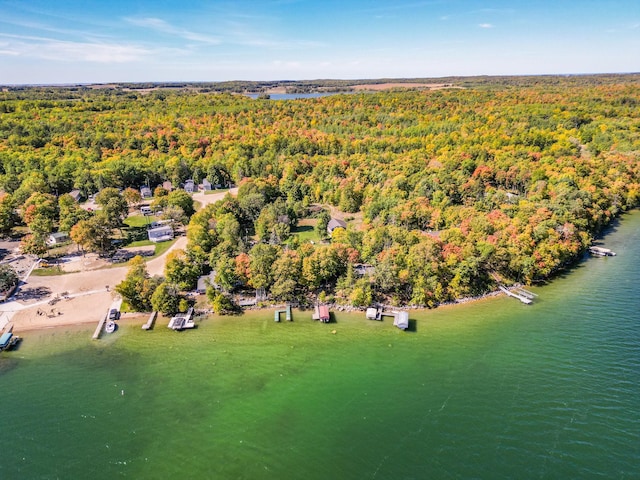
73, 41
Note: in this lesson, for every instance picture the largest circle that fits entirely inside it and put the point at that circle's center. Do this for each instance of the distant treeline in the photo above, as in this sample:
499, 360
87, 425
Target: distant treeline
336, 85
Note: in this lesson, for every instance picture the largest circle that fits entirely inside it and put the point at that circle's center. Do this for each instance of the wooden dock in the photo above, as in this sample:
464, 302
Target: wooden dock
522, 298
287, 312
96, 334
525, 293
150, 322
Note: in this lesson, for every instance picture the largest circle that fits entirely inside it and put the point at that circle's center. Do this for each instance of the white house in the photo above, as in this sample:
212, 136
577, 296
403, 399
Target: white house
145, 192
160, 234
57, 238
206, 185
189, 186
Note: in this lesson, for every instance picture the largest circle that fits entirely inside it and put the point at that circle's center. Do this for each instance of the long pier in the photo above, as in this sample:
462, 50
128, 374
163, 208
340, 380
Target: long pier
96, 334
149, 324
525, 293
522, 298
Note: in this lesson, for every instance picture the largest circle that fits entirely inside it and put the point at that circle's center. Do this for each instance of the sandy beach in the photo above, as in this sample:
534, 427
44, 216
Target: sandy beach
84, 294
72, 298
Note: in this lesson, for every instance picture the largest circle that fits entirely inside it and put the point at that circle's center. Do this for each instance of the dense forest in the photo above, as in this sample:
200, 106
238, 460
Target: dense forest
442, 191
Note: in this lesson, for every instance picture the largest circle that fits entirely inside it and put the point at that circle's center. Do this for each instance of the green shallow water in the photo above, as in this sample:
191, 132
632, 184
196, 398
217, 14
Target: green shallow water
492, 389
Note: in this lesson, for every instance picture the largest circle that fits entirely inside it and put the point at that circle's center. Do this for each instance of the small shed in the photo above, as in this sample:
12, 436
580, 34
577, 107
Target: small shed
160, 234
189, 186
335, 223
206, 280
167, 186
76, 195
57, 238
206, 185
145, 192
402, 320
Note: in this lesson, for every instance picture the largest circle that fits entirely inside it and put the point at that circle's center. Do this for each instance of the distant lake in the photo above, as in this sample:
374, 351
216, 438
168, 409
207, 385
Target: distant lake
295, 96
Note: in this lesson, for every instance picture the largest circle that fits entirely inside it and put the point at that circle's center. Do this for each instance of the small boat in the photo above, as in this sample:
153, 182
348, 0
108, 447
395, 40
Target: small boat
111, 327
601, 252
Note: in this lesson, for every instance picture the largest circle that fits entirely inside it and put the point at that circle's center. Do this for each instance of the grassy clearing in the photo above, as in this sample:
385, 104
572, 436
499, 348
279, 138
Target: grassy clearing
137, 221
305, 231
163, 247
48, 272
213, 192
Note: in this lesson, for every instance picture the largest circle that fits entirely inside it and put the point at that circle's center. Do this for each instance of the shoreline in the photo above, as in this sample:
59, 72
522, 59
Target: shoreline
69, 311
28, 323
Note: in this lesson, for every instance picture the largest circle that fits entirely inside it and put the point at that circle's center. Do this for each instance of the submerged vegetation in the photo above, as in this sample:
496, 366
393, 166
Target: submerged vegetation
441, 191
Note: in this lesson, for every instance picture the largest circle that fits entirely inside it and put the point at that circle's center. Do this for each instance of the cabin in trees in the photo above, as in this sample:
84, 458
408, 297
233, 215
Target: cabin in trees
189, 186
204, 281
167, 186
57, 238
206, 185
335, 223
161, 233
145, 192
76, 195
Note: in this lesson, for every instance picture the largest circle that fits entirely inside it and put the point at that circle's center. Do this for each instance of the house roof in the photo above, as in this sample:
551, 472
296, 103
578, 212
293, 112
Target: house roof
76, 194
59, 235
335, 223
202, 281
160, 229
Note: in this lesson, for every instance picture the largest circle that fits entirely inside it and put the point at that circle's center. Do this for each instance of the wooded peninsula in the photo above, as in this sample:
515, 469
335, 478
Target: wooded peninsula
403, 196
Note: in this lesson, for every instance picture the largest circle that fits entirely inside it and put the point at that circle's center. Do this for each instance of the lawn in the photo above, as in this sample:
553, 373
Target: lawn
212, 192
305, 231
137, 221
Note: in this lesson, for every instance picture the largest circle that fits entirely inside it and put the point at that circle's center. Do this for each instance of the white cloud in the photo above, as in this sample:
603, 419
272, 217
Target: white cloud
68, 51
485, 25
166, 28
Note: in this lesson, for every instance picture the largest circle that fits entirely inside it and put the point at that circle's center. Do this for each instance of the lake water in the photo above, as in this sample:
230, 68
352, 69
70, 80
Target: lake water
490, 390
295, 96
